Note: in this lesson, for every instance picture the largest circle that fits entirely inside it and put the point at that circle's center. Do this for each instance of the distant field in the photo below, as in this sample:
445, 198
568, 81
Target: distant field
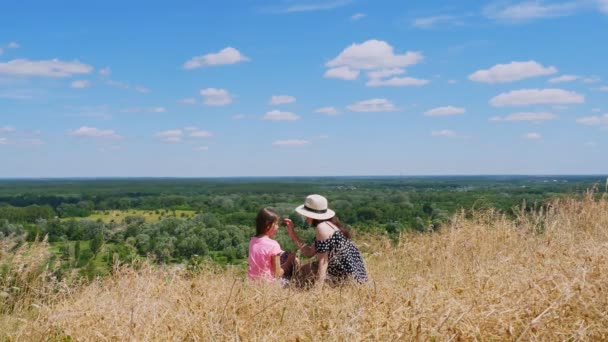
149, 215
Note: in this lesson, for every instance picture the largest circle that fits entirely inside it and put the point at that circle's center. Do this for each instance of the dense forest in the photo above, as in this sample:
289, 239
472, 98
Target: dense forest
185, 220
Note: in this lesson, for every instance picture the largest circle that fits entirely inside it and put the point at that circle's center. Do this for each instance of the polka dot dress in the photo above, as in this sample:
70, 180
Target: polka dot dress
344, 258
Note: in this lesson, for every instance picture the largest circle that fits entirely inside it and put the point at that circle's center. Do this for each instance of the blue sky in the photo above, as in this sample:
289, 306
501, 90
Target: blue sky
302, 88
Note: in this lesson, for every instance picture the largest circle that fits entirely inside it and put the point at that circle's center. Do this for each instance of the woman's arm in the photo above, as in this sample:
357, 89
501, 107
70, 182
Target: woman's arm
308, 250
276, 265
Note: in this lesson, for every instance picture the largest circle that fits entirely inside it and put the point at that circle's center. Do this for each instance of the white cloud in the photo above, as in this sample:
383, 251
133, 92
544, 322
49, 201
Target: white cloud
594, 120
529, 10
291, 142
373, 54
141, 89
93, 132
532, 136
191, 128
514, 71
328, 111
216, 97
592, 79
12, 45
281, 99
603, 6
172, 135
445, 111
80, 84
238, 117
452, 81
200, 134
145, 110
45, 68
536, 96
564, 78
444, 133
202, 148
373, 105
4, 141
357, 16
315, 6
7, 129
276, 115
189, 100
604, 88
526, 116
343, 73
228, 55
397, 82
430, 22
105, 71
596, 110
382, 73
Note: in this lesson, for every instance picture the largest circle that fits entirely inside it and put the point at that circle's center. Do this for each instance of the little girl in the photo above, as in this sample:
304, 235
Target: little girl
265, 253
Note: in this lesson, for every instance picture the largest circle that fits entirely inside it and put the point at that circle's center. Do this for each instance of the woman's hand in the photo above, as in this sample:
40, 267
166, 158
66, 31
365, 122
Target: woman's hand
290, 231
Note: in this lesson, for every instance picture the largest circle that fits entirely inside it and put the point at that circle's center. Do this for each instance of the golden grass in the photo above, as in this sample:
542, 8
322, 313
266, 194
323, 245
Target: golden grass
542, 276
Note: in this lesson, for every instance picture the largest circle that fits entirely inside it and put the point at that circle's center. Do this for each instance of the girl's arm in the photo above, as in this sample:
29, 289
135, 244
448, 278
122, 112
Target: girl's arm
308, 250
276, 265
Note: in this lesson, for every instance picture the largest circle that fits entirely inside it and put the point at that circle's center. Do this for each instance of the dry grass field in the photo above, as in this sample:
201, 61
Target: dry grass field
542, 276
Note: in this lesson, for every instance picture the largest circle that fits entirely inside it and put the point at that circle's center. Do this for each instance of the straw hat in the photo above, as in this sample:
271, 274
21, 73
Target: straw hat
315, 207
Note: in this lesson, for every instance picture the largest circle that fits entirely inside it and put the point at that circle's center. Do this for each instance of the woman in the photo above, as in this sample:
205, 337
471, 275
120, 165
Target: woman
338, 259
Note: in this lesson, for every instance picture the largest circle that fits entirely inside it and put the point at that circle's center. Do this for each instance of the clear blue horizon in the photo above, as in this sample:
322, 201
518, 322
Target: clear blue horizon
303, 88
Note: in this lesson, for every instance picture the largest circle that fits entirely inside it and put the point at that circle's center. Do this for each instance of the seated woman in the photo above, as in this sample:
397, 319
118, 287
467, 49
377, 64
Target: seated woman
338, 259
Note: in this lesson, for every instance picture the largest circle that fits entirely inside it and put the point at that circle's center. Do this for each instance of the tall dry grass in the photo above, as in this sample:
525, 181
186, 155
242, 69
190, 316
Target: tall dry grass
542, 276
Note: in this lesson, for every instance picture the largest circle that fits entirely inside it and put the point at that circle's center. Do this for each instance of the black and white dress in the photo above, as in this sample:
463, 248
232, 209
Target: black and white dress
344, 258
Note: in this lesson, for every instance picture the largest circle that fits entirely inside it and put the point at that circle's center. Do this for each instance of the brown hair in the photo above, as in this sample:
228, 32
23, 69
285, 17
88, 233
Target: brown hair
266, 217
336, 222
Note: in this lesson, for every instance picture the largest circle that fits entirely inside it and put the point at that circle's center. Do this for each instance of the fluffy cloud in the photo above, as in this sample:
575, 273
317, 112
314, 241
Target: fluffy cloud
145, 110
373, 54
603, 6
7, 129
397, 82
281, 99
536, 96
141, 89
530, 10
357, 16
514, 71
445, 111
105, 71
382, 73
444, 133
276, 115
430, 22
532, 136
93, 132
379, 59
80, 84
315, 6
216, 97
328, 111
526, 116
564, 78
594, 120
4, 141
373, 105
45, 68
604, 88
172, 135
189, 100
200, 134
343, 73
12, 45
291, 142
228, 55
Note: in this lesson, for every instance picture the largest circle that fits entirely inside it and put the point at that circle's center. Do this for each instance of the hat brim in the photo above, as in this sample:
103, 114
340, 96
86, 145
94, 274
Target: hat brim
317, 216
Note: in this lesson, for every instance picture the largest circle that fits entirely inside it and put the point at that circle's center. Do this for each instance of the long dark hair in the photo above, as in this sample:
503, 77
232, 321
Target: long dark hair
266, 217
336, 222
